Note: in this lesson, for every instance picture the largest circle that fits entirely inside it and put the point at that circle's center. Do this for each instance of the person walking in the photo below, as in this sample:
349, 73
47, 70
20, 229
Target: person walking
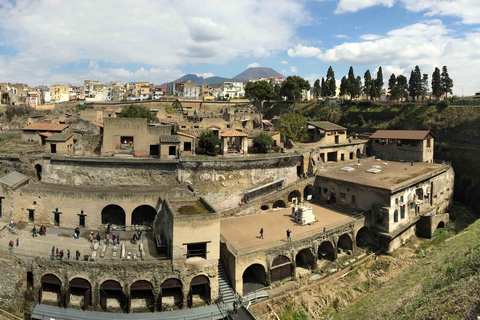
68, 254
107, 238
235, 306
61, 254
98, 237
77, 255
91, 237
324, 229
114, 239
261, 233
53, 252
289, 238
18, 242
10, 245
34, 231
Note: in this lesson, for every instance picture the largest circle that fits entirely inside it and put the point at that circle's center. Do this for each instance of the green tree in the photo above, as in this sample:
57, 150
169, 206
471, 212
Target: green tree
177, 105
136, 111
379, 82
323, 88
373, 89
402, 86
5, 98
357, 92
330, 83
332, 113
343, 87
393, 88
437, 84
446, 81
292, 126
424, 86
262, 142
367, 77
260, 91
352, 83
415, 83
276, 89
292, 88
317, 89
209, 141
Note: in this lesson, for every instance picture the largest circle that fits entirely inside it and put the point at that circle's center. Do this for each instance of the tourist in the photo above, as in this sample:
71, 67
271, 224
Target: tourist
261, 233
77, 233
53, 252
58, 254
61, 254
139, 234
107, 238
91, 237
41, 230
77, 255
10, 245
109, 227
98, 237
134, 238
44, 230
18, 242
68, 254
34, 231
289, 238
11, 224
118, 238
235, 306
114, 240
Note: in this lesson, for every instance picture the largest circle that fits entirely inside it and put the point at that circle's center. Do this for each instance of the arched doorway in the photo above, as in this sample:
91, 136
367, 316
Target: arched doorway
279, 204
264, 207
143, 216
171, 295
254, 278
38, 170
112, 296
441, 225
308, 192
345, 242
358, 154
29, 280
51, 290
326, 251
281, 269
142, 297
113, 214
294, 194
79, 293
305, 259
364, 237
199, 293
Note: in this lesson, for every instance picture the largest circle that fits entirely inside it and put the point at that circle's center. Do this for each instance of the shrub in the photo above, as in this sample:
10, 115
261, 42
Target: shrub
209, 141
262, 142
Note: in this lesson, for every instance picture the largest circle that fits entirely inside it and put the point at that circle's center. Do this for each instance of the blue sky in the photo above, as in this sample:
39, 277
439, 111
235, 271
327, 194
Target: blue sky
54, 41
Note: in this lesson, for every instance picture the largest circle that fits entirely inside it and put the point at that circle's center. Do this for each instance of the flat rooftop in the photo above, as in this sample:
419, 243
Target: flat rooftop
189, 207
392, 174
243, 232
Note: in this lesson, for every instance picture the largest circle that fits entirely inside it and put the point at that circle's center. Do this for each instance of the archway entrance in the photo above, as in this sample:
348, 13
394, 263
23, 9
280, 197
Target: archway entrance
358, 154
294, 194
345, 243
254, 278
326, 251
305, 259
441, 225
264, 207
112, 296
38, 170
113, 214
50, 290
142, 296
279, 204
364, 238
143, 216
199, 291
79, 293
308, 192
171, 295
281, 269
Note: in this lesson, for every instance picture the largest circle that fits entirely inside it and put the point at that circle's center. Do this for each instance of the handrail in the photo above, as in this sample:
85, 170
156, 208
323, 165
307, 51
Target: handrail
10, 315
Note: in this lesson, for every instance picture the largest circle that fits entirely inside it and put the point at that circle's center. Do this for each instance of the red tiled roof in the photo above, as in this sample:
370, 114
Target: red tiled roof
45, 134
401, 134
48, 119
97, 124
234, 133
186, 135
46, 127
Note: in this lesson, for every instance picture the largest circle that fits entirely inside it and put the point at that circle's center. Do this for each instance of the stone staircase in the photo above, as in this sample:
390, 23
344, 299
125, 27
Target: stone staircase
225, 290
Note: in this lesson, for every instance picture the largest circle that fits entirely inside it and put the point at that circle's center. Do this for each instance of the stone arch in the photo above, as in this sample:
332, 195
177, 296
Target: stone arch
51, 289
171, 294
38, 170
441, 225
113, 214
142, 296
279, 204
326, 251
79, 293
305, 259
308, 192
112, 296
364, 237
345, 242
281, 268
294, 194
254, 278
144, 216
358, 153
264, 207
200, 292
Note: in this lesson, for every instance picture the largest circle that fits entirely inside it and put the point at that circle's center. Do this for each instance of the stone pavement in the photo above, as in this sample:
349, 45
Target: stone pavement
63, 239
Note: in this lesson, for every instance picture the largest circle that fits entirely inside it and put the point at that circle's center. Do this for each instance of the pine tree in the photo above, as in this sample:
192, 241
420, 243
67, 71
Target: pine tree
358, 87
317, 90
415, 83
373, 88
368, 82
343, 86
424, 86
446, 81
437, 84
330, 83
402, 86
379, 82
392, 87
352, 83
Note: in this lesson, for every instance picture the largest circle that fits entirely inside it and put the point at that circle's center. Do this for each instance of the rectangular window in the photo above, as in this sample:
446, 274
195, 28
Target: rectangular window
53, 148
354, 200
187, 146
351, 155
401, 199
172, 151
197, 250
337, 140
402, 212
31, 215
342, 157
412, 206
396, 200
154, 150
325, 190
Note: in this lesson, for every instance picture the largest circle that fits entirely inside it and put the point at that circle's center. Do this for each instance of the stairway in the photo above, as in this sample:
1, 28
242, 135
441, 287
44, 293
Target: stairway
225, 290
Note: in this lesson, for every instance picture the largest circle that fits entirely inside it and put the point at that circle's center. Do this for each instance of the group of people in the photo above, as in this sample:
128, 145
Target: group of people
137, 236
58, 254
289, 234
11, 245
244, 200
42, 231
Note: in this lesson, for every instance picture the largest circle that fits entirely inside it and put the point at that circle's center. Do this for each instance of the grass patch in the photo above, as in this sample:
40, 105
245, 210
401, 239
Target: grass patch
291, 313
380, 265
9, 136
196, 208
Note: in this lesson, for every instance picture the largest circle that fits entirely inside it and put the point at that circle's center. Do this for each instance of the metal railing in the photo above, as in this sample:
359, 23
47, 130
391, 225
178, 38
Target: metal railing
7, 315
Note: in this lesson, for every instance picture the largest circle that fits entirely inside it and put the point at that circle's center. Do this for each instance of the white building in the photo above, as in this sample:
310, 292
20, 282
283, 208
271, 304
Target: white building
191, 92
233, 89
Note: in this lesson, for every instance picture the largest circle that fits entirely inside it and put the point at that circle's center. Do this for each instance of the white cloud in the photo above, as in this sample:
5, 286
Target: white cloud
253, 65
205, 75
355, 5
284, 62
429, 44
370, 37
341, 36
154, 34
293, 69
467, 10
303, 51
284, 71
312, 77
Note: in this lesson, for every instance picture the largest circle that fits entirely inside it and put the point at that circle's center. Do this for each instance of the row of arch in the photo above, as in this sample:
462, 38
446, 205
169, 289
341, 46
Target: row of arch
113, 296
255, 277
143, 215
307, 194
